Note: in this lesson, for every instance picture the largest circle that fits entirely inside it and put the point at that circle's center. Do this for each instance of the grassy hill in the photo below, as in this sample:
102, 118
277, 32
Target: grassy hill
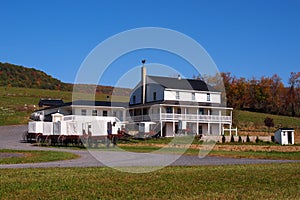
18, 103
254, 121
19, 76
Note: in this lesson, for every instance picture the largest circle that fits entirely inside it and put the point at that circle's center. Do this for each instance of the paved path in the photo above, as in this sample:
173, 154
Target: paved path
11, 136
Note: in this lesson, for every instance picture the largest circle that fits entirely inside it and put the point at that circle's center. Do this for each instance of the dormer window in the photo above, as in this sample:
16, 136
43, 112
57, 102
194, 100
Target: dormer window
177, 95
208, 96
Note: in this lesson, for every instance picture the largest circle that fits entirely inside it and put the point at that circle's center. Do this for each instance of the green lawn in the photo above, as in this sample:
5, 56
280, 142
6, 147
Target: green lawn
268, 181
35, 156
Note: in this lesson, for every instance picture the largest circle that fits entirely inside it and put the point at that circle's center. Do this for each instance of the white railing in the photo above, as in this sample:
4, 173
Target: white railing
185, 117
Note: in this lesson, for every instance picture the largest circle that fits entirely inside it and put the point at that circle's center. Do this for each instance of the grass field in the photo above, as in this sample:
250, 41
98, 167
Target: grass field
16, 104
34, 156
255, 121
269, 181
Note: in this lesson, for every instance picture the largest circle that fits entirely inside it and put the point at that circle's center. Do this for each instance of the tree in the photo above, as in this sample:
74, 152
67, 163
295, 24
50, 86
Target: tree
269, 122
293, 82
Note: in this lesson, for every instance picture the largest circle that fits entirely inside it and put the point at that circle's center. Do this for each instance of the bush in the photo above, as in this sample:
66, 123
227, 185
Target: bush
240, 139
232, 138
257, 139
223, 139
248, 138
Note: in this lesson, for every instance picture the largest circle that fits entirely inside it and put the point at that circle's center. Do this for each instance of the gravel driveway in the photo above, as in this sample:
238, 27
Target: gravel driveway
11, 136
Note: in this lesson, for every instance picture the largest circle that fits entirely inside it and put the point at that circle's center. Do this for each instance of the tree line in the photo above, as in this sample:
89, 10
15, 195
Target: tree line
265, 94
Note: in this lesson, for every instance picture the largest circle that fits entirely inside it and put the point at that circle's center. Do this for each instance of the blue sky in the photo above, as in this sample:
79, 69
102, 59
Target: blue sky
245, 37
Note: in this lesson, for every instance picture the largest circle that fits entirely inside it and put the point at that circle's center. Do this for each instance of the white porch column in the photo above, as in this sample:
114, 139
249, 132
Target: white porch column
197, 123
230, 129
173, 110
208, 128
160, 121
124, 115
220, 125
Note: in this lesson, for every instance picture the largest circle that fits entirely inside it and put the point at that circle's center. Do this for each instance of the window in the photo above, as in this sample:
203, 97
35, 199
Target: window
193, 96
208, 97
134, 99
178, 110
154, 96
83, 112
94, 112
177, 95
201, 111
104, 112
169, 109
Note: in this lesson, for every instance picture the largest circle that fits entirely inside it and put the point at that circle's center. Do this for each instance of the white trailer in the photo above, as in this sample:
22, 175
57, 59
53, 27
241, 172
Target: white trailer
75, 129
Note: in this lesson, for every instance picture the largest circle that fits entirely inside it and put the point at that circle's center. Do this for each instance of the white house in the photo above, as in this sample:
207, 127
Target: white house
284, 136
163, 105
178, 105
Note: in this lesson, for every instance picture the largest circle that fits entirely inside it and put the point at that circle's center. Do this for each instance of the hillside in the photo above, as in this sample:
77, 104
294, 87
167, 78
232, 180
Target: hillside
18, 103
253, 122
19, 76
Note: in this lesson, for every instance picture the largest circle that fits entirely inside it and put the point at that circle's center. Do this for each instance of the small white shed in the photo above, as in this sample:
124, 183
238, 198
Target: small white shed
284, 136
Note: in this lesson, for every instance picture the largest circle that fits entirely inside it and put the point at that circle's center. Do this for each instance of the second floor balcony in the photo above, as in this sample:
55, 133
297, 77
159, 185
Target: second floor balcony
184, 117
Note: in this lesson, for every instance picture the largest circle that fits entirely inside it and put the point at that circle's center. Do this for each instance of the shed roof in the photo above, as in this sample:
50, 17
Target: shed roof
286, 129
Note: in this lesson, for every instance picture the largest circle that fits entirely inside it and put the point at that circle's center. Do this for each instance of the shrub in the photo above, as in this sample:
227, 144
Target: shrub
248, 138
223, 139
232, 138
240, 139
257, 139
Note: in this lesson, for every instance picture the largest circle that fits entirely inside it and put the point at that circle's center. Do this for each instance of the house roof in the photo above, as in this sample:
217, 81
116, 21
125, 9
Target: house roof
51, 102
182, 84
97, 103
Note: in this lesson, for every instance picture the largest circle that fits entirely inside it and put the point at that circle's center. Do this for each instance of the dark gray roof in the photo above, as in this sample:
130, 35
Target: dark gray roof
182, 84
97, 103
51, 102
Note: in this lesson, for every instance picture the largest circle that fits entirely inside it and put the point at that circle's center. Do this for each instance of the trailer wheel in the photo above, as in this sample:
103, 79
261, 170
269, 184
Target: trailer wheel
48, 140
38, 139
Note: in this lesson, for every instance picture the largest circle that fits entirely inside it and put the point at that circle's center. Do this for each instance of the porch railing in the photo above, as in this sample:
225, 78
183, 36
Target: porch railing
185, 117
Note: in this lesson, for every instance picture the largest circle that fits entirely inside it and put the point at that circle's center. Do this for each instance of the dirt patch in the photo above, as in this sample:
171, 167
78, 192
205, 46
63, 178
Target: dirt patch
227, 147
257, 148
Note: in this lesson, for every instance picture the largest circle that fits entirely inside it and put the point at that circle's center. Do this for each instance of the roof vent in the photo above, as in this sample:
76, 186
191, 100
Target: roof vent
179, 77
